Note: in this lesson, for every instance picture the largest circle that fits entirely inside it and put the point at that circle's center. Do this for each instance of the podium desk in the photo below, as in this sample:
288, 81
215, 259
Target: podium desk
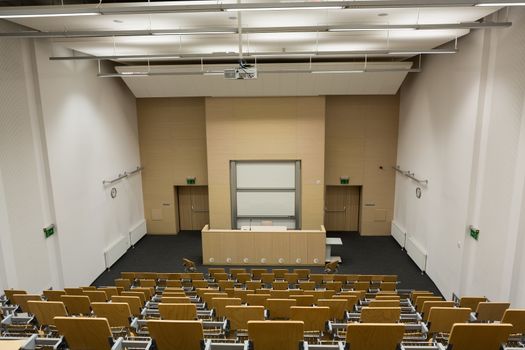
263, 247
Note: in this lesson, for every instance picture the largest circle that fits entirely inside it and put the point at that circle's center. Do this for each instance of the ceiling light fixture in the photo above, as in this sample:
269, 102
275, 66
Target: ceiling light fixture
500, 4
196, 33
369, 29
338, 71
43, 15
284, 8
422, 52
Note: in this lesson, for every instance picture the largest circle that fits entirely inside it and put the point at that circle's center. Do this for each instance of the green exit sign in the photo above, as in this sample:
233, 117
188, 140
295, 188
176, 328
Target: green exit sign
344, 180
49, 231
190, 180
474, 233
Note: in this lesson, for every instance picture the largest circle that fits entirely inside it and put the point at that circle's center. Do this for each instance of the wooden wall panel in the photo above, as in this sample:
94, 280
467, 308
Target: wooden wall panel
290, 128
361, 137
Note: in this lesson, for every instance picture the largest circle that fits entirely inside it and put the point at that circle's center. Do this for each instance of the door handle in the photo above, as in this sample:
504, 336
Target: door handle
335, 210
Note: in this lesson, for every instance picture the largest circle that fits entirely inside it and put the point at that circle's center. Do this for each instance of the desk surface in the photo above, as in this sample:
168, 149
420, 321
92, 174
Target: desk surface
334, 241
15, 344
264, 228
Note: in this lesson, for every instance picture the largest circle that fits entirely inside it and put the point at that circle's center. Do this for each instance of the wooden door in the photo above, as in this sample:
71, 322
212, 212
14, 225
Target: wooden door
342, 208
193, 207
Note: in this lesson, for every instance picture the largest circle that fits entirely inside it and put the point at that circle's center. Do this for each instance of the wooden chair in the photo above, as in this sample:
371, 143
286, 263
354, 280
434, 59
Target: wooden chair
337, 307
253, 285
306, 285
516, 317
380, 314
428, 305
199, 284
374, 336
195, 275
240, 315
135, 305
291, 277
110, 291
280, 285
468, 336
10, 292
315, 318
85, 333
388, 286
243, 277
267, 277
173, 283
220, 276
207, 297
361, 285
77, 304
388, 297
280, 273
384, 303
186, 311
128, 275
46, 311
441, 319
280, 294
175, 300
97, 296
257, 299
334, 285
279, 308
420, 300
88, 288
366, 278
471, 302
53, 295
117, 314
242, 293
303, 274
176, 335
235, 271
415, 293
256, 273
213, 270
148, 291
74, 291
491, 311
360, 294
317, 278
22, 299
351, 301
223, 285
303, 300
351, 278
390, 278
147, 283
219, 305
123, 282
140, 295
271, 335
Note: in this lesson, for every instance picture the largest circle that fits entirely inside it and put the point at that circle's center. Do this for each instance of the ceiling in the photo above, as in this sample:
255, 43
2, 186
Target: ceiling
250, 44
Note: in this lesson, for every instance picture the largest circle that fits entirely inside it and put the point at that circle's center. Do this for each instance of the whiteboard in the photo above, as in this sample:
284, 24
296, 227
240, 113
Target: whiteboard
265, 203
265, 174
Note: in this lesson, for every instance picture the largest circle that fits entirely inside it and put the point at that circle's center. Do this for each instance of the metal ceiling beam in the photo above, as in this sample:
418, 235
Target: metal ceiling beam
254, 30
219, 56
173, 7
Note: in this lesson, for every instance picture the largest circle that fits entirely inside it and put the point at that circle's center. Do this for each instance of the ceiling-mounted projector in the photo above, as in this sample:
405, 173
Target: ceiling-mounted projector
243, 72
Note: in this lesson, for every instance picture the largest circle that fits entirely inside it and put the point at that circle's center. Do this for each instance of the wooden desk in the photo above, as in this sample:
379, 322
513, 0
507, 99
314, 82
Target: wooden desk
237, 247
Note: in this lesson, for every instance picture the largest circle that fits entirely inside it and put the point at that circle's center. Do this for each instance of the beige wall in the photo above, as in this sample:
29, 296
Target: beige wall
172, 136
266, 128
361, 136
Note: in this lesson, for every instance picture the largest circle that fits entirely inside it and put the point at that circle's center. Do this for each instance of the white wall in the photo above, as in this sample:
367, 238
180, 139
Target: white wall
62, 132
91, 129
462, 127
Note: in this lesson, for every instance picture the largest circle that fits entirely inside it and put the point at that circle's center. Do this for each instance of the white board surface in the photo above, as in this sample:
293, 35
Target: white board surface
265, 203
265, 175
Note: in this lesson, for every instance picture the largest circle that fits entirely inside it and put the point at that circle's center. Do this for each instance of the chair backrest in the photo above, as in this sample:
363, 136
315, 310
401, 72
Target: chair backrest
134, 303
240, 315
235, 271
367, 278
374, 336
110, 291
303, 274
96, 296
337, 307
421, 299
207, 297
291, 277
213, 270
176, 335
280, 285
491, 311
428, 305
128, 275
390, 278
280, 273
147, 283
360, 294
242, 293
471, 302
380, 314
317, 278
74, 291
46, 311
351, 300
516, 317
243, 277
271, 335
123, 282
303, 299
219, 305
117, 314
441, 319
187, 311
88, 288
77, 304
479, 336
387, 286
173, 283
384, 303
257, 299
175, 299
334, 285
256, 273
415, 293
221, 276
223, 285
22, 299
306, 285
53, 295
314, 317
10, 292
267, 277
84, 333
280, 294
140, 295
279, 308
384, 296
361, 285
148, 291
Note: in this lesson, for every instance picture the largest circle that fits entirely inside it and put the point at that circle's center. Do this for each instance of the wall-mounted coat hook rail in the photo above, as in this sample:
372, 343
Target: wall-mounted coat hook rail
407, 173
121, 176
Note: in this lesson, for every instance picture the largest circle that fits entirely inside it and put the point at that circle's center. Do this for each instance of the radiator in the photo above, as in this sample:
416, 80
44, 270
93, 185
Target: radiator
115, 251
399, 234
416, 253
137, 232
